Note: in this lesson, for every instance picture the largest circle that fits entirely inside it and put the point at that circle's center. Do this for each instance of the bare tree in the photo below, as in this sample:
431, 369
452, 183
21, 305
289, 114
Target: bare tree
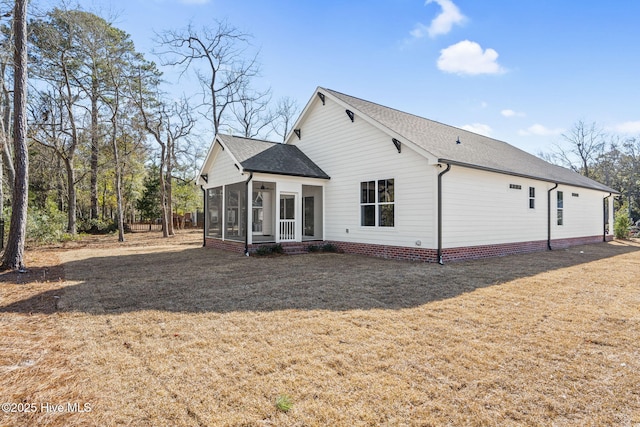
285, 115
251, 111
585, 143
13, 257
168, 125
218, 55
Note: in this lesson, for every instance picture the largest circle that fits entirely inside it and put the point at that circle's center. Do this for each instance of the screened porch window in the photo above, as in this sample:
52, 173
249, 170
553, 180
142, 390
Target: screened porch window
214, 212
236, 210
377, 203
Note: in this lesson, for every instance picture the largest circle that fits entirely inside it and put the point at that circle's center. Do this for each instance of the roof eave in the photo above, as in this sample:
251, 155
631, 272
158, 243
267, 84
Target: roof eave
520, 175
254, 170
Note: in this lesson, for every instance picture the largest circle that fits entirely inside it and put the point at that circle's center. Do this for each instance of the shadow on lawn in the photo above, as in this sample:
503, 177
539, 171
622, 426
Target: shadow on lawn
208, 280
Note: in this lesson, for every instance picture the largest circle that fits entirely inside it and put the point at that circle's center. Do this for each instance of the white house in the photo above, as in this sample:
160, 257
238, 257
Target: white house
377, 181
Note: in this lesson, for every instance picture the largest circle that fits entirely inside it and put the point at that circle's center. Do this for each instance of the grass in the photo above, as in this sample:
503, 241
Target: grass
164, 332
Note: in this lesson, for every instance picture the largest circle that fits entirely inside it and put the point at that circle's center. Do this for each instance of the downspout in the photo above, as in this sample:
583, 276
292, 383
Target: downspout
246, 227
440, 260
204, 221
605, 217
549, 215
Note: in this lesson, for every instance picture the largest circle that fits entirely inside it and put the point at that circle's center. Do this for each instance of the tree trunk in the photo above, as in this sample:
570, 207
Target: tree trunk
13, 257
71, 195
94, 148
168, 184
163, 194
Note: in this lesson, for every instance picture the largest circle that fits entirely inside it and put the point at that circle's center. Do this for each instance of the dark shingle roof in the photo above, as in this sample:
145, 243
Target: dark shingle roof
474, 150
270, 157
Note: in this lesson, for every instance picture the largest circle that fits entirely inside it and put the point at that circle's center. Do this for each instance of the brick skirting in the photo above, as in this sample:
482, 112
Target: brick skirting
462, 253
428, 255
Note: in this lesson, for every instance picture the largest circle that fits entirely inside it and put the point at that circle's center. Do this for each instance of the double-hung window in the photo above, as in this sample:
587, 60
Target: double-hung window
377, 203
560, 201
532, 197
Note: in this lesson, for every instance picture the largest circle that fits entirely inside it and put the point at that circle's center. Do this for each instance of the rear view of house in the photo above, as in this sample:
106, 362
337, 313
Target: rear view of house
377, 181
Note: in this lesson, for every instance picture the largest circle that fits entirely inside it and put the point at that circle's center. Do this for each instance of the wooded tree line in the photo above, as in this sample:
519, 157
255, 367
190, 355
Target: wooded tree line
106, 141
608, 158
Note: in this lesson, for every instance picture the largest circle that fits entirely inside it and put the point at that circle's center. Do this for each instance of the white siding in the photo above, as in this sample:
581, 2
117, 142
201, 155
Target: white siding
583, 215
480, 208
222, 171
351, 153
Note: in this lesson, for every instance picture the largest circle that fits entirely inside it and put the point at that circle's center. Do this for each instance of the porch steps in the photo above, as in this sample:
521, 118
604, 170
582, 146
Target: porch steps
295, 248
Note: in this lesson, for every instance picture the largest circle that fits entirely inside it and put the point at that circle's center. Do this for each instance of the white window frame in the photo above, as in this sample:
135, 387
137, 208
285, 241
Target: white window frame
377, 204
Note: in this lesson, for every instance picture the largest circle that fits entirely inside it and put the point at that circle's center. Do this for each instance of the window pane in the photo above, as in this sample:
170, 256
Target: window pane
560, 200
532, 192
368, 215
385, 191
560, 219
368, 194
386, 215
532, 203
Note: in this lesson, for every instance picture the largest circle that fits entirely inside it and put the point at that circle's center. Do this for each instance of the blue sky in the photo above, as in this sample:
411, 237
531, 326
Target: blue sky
520, 71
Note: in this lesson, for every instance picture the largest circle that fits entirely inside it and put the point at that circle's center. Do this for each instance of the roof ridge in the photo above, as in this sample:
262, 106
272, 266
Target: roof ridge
430, 120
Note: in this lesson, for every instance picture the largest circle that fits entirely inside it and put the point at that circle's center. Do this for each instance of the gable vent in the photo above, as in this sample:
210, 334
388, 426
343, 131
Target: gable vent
321, 95
297, 132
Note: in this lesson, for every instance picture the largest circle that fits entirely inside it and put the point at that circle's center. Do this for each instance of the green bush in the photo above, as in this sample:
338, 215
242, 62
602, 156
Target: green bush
97, 226
621, 225
327, 247
269, 249
45, 225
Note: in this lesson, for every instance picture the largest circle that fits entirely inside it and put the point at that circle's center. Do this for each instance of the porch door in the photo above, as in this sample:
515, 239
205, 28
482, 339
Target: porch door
287, 217
308, 219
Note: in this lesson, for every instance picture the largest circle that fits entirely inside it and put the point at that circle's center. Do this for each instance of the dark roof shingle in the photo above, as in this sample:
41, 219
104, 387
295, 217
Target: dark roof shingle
270, 157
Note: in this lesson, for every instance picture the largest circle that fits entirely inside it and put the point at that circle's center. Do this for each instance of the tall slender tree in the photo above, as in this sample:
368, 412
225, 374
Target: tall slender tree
13, 257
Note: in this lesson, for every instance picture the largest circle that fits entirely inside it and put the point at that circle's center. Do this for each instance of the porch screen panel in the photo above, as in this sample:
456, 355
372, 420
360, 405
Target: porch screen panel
236, 209
214, 212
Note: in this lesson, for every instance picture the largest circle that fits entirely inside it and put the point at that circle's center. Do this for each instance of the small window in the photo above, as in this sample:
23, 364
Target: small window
515, 186
532, 197
560, 206
377, 203
575, 195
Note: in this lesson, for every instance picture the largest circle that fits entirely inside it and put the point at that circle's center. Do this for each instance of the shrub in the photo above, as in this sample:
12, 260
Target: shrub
268, 250
621, 225
97, 226
45, 225
329, 247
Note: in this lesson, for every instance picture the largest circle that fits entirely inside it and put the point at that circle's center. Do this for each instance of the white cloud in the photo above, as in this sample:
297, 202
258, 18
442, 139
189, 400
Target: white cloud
467, 57
511, 113
442, 23
628, 127
479, 128
540, 130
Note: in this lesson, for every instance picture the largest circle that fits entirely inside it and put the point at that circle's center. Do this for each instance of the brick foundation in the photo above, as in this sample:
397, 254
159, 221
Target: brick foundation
290, 248
423, 254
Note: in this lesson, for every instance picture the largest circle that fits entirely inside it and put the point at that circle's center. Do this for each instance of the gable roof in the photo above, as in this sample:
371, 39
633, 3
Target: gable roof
256, 155
459, 147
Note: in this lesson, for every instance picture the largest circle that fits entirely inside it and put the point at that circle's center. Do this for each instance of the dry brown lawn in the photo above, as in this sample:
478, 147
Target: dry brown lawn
160, 332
